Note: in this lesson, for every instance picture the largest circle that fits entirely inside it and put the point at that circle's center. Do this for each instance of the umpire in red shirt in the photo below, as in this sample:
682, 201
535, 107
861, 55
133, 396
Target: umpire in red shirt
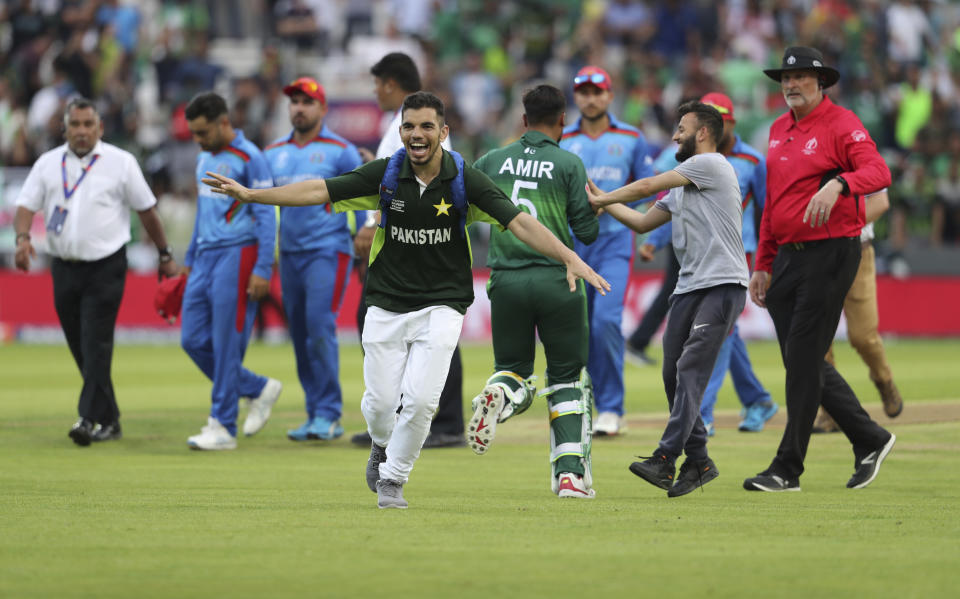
820, 163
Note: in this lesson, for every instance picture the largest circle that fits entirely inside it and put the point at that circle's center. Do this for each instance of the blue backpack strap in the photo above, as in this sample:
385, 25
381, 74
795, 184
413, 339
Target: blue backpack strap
459, 190
391, 176
388, 185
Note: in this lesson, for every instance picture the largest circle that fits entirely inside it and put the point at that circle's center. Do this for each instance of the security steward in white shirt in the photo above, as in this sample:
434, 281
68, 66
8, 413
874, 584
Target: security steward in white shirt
85, 190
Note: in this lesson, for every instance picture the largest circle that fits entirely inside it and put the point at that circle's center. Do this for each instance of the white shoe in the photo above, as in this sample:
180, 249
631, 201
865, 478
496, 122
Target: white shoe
572, 485
260, 407
213, 437
608, 424
483, 426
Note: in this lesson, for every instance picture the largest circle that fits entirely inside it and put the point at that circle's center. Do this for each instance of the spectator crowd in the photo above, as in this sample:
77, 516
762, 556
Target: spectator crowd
141, 61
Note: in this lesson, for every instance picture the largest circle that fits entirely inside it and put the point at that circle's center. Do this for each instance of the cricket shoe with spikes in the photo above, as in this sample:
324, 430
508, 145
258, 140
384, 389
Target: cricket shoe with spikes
573, 485
483, 424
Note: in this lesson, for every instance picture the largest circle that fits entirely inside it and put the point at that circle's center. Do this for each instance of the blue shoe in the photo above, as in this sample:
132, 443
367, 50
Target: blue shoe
755, 416
321, 428
301, 433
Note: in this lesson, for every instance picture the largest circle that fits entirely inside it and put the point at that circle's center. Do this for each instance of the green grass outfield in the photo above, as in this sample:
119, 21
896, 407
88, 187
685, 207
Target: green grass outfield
146, 517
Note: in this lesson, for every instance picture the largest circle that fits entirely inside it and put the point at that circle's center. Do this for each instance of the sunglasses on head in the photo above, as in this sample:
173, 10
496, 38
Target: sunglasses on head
303, 82
720, 109
595, 78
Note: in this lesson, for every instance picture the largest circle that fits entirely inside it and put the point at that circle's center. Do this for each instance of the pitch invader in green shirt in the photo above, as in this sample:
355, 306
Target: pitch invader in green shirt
526, 291
419, 282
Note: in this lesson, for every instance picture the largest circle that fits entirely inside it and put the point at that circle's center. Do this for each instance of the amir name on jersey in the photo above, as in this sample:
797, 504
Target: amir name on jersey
527, 168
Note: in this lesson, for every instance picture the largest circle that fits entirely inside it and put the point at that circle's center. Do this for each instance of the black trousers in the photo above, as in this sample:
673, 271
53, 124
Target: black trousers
805, 300
449, 416
87, 298
698, 324
654, 315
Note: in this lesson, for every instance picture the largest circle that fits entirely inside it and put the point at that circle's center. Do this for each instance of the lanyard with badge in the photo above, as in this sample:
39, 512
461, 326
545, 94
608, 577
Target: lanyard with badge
59, 215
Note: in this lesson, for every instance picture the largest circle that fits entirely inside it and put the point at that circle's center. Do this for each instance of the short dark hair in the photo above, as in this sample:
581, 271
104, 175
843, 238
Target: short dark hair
399, 67
543, 105
80, 103
206, 104
707, 116
418, 100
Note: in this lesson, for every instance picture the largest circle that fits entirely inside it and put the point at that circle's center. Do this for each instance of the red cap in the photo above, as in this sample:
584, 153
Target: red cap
722, 103
309, 86
593, 75
169, 297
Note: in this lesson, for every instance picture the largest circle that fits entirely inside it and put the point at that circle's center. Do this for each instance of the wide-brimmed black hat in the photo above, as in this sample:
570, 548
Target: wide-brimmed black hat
796, 58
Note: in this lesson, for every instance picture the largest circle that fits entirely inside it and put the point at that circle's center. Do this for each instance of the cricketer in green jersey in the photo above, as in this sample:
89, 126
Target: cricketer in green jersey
419, 282
526, 291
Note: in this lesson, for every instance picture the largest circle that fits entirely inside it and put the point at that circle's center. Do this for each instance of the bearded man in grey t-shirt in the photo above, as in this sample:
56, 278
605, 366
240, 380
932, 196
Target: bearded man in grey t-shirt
704, 203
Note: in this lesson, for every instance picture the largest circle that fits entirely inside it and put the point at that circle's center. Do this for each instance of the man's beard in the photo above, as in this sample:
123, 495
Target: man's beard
688, 148
594, 118
305, 126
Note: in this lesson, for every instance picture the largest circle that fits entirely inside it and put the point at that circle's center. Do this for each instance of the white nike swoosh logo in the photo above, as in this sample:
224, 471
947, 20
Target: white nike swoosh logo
697, 326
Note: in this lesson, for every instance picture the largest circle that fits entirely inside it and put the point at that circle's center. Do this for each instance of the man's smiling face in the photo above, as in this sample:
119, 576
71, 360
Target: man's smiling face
422, 131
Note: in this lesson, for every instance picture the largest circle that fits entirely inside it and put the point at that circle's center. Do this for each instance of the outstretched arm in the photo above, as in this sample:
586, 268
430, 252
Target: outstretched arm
641, 222
531, 232
301, 193
637, 190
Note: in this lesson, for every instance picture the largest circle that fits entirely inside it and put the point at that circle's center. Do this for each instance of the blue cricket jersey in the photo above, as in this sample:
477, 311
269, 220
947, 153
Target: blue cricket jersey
314, 227
616, 157
222, 221
751, 169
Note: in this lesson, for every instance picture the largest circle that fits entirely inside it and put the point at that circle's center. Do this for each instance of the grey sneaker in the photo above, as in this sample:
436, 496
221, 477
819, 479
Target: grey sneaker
378, 455
390, 494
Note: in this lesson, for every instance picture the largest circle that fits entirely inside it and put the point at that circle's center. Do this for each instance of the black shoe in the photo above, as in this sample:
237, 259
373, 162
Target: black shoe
107, 432
81, 432
693, 474
767, 481
869, 466
658, 470
435, 440
362, 439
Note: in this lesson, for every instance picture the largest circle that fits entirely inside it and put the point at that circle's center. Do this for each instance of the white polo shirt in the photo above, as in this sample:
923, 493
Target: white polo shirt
94, 222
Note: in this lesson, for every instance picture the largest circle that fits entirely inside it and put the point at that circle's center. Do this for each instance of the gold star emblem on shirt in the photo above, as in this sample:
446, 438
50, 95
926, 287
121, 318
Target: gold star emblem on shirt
443, 207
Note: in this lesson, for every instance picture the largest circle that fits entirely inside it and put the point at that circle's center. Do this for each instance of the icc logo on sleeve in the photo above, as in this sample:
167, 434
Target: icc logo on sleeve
858, 135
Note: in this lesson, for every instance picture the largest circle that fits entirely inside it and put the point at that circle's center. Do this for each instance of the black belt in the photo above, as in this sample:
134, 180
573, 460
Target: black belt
799, 246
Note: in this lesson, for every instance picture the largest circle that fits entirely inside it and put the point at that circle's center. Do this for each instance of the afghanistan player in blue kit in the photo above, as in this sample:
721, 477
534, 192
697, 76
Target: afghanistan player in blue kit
614, 154
228, 262
316, 255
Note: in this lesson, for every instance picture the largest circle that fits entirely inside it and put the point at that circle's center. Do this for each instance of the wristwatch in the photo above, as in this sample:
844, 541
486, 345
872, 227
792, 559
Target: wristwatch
166, 254
843, 182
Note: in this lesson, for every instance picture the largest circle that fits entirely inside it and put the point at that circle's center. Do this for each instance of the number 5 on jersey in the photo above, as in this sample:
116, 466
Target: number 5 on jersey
518, 201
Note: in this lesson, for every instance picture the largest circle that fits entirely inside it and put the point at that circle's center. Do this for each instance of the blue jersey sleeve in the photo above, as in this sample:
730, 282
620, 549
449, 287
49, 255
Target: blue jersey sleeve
759, 184
642, 167
259, 177
661, 236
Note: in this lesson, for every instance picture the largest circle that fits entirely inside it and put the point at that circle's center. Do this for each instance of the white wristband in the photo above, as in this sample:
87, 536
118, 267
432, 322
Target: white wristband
371, 220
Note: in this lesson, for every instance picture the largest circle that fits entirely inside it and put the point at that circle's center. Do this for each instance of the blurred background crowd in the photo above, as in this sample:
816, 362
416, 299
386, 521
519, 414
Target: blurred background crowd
142, 60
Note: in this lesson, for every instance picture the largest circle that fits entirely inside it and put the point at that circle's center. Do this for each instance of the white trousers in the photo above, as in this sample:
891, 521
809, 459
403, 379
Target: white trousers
406, 359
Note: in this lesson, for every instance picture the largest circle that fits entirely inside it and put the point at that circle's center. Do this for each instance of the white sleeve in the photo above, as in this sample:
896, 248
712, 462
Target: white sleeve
33, 193
138, 194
